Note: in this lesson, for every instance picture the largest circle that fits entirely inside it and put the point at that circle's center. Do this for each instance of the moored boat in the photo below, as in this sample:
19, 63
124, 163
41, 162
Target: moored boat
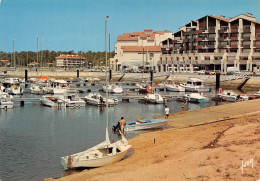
195, 98
195, 85
153, 98
143, 124
72, 100
52, 101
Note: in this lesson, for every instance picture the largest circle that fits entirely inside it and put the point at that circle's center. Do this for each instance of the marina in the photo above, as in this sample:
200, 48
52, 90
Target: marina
59, 132
121, 90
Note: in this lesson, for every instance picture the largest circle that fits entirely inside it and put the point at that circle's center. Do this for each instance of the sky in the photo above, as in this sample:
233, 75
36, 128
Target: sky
79, 25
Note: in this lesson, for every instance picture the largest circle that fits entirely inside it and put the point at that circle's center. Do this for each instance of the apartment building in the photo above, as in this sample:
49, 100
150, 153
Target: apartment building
139, 50
213, 43
69, 61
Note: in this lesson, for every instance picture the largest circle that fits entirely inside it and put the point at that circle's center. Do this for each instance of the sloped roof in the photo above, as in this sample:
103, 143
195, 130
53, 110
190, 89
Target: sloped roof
141, 48
149, 35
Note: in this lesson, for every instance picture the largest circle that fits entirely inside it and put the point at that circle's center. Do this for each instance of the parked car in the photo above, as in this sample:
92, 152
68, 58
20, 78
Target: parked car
207, 72
201, 72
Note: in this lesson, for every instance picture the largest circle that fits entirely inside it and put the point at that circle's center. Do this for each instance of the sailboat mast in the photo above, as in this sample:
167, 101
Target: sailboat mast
107, 135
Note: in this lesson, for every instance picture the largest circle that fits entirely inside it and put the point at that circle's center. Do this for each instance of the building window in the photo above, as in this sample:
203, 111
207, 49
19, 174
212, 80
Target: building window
207, 58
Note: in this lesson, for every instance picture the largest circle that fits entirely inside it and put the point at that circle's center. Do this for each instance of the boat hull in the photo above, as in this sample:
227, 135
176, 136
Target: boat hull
6, 105
175, 89
132, 126
96, 162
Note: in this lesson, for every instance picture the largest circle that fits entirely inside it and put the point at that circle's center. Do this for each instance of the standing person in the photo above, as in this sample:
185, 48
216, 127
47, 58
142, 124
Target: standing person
122, 125
167, 112
183, 105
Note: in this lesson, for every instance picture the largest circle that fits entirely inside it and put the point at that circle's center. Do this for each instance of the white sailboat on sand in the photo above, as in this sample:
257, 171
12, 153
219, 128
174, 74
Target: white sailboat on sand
101, 154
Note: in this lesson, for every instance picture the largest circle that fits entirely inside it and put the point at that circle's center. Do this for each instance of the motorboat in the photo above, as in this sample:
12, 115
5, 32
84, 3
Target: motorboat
95, 99
195, 85
99, 100
145, 88
153, 98
112, 88
175, 88
195, 98
12, 86
38, 89
142, 124
5, 101
72, 100
57, 87
52, 101
231, 96
14, 89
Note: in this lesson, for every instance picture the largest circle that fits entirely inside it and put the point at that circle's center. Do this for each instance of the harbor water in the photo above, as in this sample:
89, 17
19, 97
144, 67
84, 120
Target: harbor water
34, 137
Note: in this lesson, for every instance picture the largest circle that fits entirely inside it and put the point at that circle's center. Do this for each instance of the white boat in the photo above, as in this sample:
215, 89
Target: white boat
5, 101
52, 101
196, 98
153, 98
14, 90
145, 124
38, 89
195, 85
57, 87
72, 100
113, 89
99, 100
231, 96
256, 93
175, 88
99, 155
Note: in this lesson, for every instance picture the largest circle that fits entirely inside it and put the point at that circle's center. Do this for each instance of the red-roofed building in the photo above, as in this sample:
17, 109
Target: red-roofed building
69, 61
139, 50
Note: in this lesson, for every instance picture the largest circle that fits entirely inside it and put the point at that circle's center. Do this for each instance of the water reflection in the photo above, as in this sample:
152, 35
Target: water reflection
34, 137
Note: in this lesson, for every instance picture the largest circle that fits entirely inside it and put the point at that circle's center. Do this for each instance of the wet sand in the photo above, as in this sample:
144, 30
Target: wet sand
203, 144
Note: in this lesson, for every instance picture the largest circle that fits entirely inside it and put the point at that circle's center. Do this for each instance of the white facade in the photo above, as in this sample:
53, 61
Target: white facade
69, 61
138, 49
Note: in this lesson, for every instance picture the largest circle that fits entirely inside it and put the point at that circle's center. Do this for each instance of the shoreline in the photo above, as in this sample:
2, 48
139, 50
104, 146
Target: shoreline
229, 135
253, 83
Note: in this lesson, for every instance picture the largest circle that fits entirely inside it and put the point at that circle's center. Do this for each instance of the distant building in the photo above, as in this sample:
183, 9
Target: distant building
213, 43
69, 61
139, 50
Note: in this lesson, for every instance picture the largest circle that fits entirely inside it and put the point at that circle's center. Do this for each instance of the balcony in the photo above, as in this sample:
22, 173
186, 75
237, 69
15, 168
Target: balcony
212, 29
246, 46
198, 31
198, 39
222, 46
246, 38
234, 38
199, 47
234, 30
257, 38
242, 62
211, 46
246, 29
233, 46
212, 38
257, 46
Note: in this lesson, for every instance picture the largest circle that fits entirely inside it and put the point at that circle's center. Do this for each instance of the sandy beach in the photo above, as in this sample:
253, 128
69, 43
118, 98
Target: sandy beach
203, 144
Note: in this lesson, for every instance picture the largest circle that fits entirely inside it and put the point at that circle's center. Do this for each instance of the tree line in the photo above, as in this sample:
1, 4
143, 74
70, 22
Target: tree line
45, 57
